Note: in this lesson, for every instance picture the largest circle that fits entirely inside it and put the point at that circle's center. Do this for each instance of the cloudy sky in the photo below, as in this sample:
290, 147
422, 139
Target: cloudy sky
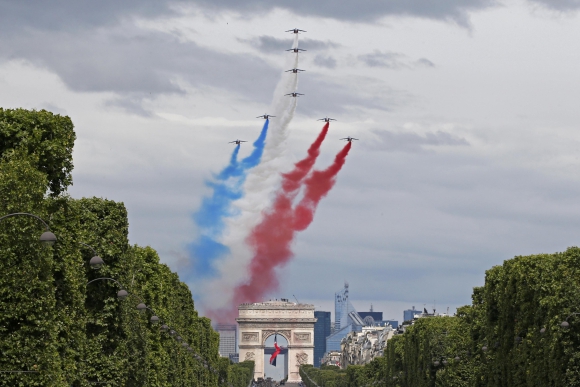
465, 110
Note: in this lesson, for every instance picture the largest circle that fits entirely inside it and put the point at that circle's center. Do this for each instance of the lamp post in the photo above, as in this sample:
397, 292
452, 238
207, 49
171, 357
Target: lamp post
96, 262
565, 324
122, 293
47, 238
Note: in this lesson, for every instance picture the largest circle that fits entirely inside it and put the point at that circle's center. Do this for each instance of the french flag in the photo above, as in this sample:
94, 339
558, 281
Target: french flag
276, 352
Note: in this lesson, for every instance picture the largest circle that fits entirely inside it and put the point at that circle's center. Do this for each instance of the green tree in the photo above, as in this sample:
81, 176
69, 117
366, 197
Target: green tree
48, 137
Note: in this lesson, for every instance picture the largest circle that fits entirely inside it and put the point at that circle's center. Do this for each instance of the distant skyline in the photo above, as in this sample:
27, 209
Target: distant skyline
465, 110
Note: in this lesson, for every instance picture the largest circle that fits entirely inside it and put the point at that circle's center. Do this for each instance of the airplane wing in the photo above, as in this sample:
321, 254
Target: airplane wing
355, 138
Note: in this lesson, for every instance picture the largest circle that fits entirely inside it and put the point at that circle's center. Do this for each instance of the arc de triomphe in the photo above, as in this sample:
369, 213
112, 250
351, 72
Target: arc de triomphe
260, 320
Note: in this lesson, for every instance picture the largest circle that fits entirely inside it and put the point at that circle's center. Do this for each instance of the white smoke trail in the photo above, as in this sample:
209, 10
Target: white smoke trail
260, 184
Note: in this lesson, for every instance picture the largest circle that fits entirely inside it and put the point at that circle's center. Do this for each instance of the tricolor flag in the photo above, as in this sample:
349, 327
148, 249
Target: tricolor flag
276, 352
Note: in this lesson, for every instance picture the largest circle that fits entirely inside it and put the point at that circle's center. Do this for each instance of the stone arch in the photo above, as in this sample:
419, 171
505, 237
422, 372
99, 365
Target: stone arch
267, 333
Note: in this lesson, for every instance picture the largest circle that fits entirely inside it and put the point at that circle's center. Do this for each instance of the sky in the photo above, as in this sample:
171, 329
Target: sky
465, 111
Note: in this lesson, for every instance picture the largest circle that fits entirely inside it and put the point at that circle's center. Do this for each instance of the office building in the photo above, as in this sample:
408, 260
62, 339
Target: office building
321, 332
228, 339
371, 318
346, 319
410, 314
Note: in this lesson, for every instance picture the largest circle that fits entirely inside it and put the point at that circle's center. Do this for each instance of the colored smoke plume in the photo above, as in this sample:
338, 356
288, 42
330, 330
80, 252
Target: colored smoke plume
271, 239
210, 218
317, 186
261, 181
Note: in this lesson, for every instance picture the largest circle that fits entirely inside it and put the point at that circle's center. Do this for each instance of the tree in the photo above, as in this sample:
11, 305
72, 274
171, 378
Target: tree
48, 137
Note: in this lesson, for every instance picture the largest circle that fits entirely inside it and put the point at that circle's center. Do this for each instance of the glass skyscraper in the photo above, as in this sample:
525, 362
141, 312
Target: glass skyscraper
346, 319
228, 339
321, 332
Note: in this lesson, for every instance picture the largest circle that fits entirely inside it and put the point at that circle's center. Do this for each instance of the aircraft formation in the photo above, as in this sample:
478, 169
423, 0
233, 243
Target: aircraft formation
295, 95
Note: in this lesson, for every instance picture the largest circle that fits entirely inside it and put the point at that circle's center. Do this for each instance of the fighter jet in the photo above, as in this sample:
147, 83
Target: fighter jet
326, 119
296, 49
265, 116
349, 139
237, 142
295, 71
295, 30
294, 94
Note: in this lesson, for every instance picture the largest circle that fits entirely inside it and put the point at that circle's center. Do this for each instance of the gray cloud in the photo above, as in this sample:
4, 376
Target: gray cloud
269, 44
560, 5
424, 62
325, 96
139, 65
412, 142
325, 61
391, 60
360, 11
74, 15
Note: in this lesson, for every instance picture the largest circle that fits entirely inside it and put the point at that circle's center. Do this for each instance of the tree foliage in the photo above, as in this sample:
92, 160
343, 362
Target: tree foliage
48, 137
510, 336
54, 325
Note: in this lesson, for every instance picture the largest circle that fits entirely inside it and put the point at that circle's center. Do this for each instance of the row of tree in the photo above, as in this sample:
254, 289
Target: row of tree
511, 336
55, 328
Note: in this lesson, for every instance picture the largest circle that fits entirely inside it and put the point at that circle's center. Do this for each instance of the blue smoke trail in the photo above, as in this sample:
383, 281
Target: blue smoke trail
227, 187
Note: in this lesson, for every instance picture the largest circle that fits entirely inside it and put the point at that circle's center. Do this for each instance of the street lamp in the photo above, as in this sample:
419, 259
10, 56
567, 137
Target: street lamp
122, 294
47, 238
565, 324
96, 262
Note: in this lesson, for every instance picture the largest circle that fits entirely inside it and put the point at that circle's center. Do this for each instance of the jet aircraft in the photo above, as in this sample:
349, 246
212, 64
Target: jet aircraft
295, 49
294, 94
349, 139
295, 30
295, 71
237, 142
326, 119
265, 116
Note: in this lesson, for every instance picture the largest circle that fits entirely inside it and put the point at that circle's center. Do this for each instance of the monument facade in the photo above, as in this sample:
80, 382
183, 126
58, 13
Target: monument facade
295, 322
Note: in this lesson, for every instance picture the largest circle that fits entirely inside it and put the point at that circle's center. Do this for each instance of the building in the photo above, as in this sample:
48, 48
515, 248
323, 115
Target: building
321, 332
410, 314
370, 318
359, 348
291, 324
331, 358
393, 323
228, 339
346, 319
342, 308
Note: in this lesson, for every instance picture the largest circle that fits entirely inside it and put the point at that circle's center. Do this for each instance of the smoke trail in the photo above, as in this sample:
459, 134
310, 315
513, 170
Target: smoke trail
258, 190
210, 218
317, 186
271, 239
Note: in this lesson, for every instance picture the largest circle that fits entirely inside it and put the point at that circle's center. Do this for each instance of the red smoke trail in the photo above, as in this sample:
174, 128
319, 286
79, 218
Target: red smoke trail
272, 238
273, 235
